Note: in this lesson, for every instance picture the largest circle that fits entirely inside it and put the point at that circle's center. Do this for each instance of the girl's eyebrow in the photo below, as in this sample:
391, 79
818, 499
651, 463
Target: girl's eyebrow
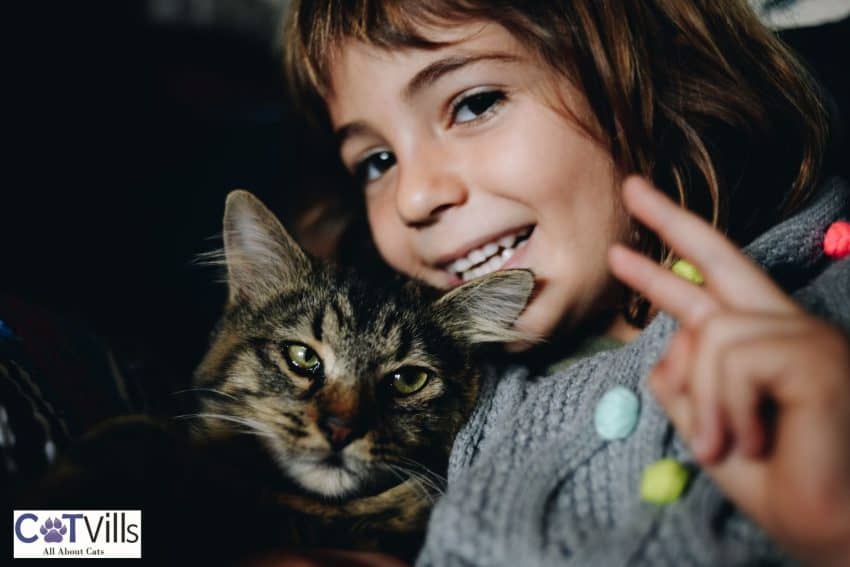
423, 79
351, 130
437, 69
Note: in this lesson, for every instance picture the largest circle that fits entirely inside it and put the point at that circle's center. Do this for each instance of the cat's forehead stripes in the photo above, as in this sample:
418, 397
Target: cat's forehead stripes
220, 357
402, 337
318, 322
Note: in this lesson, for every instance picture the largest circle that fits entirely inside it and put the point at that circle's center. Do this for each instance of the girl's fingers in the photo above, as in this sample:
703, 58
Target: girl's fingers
676, 403
678, 360
688, 303
743, 396
730, 276
742, 478
723, 405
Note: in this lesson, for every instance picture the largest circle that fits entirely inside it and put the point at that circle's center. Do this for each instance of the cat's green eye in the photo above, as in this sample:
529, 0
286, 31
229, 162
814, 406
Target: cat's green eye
407, 381
302, 359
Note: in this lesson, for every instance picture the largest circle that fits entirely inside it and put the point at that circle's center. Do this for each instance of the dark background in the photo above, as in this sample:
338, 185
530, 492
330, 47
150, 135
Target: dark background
122, 136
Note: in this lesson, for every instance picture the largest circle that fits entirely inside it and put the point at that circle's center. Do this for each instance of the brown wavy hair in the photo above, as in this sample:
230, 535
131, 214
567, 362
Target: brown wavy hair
698, 96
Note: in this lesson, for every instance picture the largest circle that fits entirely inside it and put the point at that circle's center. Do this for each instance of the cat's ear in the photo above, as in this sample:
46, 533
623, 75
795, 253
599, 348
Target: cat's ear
484, 310
262, 259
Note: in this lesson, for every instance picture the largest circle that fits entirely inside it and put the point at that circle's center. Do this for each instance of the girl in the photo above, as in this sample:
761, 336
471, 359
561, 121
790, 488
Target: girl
493, 135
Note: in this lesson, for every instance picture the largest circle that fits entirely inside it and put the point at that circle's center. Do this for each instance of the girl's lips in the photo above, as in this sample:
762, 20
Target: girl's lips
515, 261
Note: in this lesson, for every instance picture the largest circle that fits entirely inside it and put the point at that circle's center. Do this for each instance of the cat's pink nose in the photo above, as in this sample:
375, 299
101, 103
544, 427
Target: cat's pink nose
338, 431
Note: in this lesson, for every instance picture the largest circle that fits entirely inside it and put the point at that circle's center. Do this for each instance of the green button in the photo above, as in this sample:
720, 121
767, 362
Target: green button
663, 481
688, 271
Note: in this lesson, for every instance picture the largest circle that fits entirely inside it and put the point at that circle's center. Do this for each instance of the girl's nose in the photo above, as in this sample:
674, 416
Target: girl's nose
424, 193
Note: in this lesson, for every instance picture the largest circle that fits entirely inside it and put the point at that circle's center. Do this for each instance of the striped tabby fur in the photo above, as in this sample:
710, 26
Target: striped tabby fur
358, 457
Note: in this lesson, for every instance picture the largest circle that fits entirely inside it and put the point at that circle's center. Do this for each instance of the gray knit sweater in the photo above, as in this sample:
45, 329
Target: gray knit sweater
532, 483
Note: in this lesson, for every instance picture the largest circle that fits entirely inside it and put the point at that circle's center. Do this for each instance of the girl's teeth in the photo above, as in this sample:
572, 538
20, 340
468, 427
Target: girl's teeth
477, 256
494, 263
488, 258
461, 265
490, 265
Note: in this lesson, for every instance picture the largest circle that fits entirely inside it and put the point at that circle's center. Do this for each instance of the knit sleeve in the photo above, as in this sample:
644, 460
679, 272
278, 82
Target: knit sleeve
828, 295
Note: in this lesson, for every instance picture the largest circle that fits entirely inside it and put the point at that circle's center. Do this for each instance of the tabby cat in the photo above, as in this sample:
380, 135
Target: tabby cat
327, 408
355, 389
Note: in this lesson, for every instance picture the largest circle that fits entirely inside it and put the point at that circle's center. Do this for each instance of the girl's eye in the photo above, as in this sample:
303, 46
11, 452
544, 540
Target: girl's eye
302, 359
473, 106
373, 166
406, 381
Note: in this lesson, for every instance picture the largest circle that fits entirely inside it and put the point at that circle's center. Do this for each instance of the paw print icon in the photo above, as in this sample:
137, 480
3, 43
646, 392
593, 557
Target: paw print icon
52, 530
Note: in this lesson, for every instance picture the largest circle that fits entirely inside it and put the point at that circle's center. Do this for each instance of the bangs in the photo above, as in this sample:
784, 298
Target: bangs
316, 30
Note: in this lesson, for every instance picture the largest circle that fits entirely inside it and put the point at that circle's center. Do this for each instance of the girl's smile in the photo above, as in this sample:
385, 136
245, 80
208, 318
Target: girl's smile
500, 251
471, 163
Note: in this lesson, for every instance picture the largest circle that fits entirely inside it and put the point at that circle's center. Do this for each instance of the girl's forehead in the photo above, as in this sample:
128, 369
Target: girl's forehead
356, 62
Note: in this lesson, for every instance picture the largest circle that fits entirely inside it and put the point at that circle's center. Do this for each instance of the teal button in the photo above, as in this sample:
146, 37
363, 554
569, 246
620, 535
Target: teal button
616, 413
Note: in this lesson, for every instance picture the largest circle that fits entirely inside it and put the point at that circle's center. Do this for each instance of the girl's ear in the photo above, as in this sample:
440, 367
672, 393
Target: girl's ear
485, 309
262, 259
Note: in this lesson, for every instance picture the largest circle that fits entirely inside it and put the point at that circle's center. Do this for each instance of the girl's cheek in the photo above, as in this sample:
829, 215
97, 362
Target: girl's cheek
388, 236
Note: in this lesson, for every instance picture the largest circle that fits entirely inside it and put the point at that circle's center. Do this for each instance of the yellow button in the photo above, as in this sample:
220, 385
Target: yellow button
688, 271
663, 481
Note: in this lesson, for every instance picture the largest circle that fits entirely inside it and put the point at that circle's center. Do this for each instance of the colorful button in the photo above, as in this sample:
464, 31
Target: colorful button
663, 481
836, 242
616, 413
688, 271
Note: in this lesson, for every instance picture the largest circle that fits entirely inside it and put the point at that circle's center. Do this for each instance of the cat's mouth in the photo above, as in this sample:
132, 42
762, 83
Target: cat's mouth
325, 477
338, 476
334, 460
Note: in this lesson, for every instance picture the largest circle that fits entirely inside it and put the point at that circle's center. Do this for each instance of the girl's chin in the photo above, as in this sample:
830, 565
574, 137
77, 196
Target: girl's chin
529, 323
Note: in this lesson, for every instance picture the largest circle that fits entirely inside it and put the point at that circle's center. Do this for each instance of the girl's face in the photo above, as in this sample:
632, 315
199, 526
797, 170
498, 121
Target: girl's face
467, 168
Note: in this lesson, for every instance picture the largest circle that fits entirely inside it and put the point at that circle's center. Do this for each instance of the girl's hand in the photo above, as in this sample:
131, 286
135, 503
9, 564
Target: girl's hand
758, 388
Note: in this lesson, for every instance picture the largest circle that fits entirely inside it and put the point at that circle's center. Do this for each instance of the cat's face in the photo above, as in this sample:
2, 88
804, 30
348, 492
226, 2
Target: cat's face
347, 383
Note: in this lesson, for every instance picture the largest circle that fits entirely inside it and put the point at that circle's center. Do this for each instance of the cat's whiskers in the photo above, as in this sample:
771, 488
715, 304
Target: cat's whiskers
428, 484
254, 427
422, 474
438, 478
425, 480
405, 475
395, 473
202, 390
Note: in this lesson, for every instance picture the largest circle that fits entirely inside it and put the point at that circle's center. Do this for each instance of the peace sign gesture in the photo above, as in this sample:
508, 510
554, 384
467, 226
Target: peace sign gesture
744, 345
